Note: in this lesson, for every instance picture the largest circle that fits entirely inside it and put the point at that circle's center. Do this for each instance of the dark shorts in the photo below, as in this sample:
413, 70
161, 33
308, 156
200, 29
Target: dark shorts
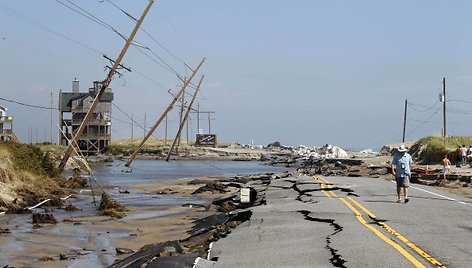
403, 181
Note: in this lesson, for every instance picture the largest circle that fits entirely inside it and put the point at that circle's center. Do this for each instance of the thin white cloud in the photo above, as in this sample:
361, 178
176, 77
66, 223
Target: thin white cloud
214, 85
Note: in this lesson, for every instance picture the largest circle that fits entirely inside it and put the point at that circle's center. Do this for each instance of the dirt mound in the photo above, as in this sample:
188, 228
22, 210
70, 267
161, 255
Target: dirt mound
23, 177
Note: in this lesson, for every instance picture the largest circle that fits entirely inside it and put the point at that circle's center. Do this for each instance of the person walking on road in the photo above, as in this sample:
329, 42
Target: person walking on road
446, 166
464, 155
401, 165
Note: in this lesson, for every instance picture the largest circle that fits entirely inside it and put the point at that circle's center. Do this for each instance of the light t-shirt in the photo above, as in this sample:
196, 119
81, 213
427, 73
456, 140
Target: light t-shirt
402, 164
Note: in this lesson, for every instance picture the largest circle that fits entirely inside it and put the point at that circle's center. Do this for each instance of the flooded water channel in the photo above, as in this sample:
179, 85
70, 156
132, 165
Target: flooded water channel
145, 171
86, 240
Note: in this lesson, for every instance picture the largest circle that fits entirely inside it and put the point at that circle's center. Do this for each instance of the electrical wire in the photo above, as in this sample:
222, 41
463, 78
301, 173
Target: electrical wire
100, 22
427, 108
427, 120
462, 101
29, 105
11, 12
177, 31
148, 34
90, 16
81, 11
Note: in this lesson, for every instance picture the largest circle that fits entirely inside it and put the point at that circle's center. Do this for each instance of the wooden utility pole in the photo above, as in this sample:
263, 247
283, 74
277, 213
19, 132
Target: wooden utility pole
198, 119
186, 123
165, 135
164, 115
132, 124
51, 118
404, 121
185, 118
182, 103
444, 106
209, 124
144, 129
104, 86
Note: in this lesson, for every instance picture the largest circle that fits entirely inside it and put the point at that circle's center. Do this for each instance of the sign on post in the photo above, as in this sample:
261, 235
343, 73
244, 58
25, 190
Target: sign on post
206, 140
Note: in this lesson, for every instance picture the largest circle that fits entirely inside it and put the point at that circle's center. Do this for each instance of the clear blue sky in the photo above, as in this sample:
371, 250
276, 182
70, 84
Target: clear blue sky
299, 72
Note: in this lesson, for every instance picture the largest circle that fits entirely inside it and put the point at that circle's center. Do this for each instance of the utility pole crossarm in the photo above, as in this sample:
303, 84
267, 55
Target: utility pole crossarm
104, 86
171, 105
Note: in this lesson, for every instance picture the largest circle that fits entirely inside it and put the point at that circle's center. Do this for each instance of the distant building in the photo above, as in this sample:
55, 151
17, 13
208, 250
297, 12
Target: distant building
6, 126
73, 106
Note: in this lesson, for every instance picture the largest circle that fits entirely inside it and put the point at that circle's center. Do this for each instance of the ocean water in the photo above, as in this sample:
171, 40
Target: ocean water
145, 171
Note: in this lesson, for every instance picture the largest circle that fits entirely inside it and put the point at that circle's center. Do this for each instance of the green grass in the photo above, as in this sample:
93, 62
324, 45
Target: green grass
52, 148
30, 158
430, 150
128, 145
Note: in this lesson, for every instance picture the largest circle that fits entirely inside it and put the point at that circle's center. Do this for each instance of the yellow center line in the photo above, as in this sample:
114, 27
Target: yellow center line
395, 245
399, 236
324, 191
327, 193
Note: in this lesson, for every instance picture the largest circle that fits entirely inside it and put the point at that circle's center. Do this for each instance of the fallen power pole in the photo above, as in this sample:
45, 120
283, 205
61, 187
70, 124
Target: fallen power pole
169, 108
182, 123
104, 86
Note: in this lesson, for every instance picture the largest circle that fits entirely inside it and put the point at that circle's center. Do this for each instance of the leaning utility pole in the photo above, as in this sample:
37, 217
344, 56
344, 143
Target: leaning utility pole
182, 103
444, 106
132, 124
185, 118
404, 121
105, 84
164, 115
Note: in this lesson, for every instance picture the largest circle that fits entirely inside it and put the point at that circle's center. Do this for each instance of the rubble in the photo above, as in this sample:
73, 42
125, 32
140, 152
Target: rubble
326, 152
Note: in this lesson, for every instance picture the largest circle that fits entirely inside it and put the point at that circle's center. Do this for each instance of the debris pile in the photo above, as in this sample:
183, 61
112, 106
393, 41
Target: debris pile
111, 207
328, 151
43, 218
232, 212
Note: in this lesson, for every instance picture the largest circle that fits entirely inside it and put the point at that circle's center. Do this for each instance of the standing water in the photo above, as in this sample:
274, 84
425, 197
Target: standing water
81, 240
145, 171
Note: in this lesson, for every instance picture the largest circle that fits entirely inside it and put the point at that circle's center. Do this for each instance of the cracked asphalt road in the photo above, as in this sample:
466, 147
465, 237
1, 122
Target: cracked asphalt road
350, 222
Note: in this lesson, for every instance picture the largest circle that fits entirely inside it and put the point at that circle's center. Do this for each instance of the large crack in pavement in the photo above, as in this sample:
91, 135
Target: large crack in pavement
336, 259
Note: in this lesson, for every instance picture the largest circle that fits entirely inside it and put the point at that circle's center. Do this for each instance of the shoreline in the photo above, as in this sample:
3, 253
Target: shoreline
152, 225
144, 224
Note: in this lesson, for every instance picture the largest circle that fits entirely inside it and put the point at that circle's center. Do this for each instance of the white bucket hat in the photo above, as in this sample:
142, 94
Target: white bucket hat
402, 148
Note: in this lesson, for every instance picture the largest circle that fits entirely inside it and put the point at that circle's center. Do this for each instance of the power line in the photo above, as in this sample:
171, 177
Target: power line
426, 121
18, 15
427, 108
177, 31
76, 8
90, 16
462, 101
133, 122
29, 105
148, 34
100, 22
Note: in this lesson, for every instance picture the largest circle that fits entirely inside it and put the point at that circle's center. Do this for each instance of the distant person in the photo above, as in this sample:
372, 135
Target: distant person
446, 166
469, 154
464, 155
401, 164
458, 156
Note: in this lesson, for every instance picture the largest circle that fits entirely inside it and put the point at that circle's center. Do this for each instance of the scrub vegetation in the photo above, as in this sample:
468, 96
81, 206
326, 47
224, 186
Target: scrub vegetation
127, 146
26, 175
430, 150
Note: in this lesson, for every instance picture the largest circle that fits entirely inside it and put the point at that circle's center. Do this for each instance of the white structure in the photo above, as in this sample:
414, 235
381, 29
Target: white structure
6, 126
